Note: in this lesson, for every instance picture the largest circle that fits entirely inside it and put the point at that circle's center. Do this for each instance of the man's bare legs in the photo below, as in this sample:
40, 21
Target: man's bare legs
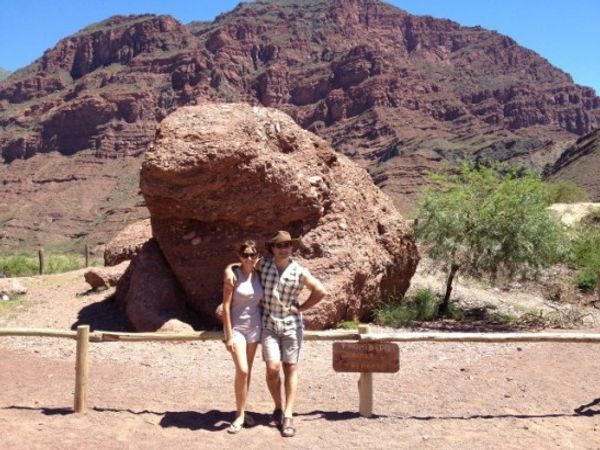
274, 382
291, 386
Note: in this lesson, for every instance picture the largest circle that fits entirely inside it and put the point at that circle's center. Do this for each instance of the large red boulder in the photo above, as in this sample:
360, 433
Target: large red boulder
219, 173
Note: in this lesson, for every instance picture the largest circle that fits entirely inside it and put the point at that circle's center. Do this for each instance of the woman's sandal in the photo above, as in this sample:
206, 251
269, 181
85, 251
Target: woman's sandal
235, 428
287, 427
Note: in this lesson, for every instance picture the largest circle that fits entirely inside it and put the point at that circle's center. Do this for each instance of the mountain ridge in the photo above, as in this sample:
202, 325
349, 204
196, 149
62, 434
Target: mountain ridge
4, 73
400, 94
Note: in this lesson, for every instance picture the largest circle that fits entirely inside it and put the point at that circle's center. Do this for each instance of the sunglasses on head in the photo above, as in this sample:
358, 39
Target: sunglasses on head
283, 245
248, 255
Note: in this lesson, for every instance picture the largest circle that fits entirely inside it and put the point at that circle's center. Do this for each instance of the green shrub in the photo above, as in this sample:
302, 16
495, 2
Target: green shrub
393, 312
564, 191
396, 311
19, 265
426, 303
27, 264
586, 279
64, 262
585, 257
348, 325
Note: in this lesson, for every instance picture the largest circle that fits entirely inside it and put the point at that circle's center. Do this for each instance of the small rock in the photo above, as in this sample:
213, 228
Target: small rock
5, 298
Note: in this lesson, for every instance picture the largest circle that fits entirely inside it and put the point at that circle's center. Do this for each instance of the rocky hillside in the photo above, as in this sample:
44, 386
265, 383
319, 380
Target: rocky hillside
4, 73
580, 164
399, 94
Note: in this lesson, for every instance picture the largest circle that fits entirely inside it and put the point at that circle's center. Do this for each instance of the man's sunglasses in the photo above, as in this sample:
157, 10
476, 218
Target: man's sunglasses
249, 255
282, 245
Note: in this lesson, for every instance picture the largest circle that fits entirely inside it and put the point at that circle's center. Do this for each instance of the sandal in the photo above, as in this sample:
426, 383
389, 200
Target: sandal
235, 428
277, 417
249, 421
287, 427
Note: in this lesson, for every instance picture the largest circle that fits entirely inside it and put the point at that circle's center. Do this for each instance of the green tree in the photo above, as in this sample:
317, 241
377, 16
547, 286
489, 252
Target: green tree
487, 221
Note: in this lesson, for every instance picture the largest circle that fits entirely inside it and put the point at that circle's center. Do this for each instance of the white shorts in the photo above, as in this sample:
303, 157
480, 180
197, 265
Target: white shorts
246, 334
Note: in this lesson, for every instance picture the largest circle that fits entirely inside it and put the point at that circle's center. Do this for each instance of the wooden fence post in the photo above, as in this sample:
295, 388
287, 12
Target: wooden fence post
41, 259
87, 256
81, 368
365, 385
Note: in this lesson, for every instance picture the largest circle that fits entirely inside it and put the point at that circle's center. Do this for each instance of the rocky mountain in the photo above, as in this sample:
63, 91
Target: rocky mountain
580, 164
399, 94
4, 73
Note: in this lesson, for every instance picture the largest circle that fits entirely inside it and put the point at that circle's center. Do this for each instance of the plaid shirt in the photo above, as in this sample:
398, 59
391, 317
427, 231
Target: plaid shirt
281, 292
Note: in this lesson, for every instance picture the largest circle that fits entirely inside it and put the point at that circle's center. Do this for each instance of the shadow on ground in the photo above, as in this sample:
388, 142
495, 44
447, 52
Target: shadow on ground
215, 420
105, 315
45, 411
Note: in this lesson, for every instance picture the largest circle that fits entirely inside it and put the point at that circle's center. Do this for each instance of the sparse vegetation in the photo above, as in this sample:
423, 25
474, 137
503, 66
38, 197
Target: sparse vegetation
14, 303
489, 222
564, 191
27, 264
396, 311
585, 254
348, 325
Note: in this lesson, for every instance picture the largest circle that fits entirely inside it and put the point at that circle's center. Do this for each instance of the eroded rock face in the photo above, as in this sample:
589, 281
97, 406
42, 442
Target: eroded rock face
220, 173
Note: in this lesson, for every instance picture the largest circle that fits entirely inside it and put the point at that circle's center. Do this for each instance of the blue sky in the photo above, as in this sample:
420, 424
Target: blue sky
565, 33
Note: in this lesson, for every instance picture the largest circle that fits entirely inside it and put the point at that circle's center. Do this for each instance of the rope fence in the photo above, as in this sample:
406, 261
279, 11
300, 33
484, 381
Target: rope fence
84, 336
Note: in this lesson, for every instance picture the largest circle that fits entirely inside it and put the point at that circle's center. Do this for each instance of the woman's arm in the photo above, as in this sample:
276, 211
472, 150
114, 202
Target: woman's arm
228, 286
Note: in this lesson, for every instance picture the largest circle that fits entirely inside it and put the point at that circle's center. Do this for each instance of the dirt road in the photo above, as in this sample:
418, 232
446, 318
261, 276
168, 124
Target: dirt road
165, 395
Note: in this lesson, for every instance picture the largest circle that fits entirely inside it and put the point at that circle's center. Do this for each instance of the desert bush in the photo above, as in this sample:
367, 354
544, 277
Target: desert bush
396, 311
393, 312
426, 304
486, 221
19, 265
64, 262
585, 256
564, 191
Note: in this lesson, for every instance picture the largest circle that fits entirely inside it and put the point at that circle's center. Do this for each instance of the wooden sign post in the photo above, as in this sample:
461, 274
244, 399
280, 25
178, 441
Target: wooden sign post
366, 358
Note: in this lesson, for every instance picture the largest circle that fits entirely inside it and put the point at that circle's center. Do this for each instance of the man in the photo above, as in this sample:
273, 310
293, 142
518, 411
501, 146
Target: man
282, 328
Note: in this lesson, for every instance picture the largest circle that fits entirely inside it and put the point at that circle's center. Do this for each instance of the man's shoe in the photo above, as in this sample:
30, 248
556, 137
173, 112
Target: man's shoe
277, 417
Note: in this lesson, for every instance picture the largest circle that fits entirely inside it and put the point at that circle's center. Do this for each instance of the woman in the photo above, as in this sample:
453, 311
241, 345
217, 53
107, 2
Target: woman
242, 325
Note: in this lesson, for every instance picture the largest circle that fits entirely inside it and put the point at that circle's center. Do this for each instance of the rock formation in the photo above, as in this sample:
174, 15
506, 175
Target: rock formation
104, 277
219, 173
580, 163
150, 294
125, 245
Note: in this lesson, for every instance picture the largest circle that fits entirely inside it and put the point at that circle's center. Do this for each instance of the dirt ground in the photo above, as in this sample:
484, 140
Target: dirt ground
167, 395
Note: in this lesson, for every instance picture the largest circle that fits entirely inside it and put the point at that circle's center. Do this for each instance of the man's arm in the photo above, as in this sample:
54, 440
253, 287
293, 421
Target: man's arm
229, 276
317, 292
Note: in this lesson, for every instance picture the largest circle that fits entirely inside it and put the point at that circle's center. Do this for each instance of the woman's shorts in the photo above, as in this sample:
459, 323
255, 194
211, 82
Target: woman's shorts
249, 335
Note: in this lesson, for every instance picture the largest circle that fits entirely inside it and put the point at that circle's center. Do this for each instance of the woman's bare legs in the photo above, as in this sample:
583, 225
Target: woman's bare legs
243, 358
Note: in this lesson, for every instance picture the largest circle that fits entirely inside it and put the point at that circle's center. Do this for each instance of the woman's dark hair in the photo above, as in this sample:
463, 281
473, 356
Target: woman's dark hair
247, 245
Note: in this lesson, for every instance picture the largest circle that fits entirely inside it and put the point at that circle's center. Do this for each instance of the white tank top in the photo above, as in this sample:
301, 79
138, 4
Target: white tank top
247, 294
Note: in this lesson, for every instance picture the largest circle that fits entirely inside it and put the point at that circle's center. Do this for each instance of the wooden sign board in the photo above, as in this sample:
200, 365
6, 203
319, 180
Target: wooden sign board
366, 357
